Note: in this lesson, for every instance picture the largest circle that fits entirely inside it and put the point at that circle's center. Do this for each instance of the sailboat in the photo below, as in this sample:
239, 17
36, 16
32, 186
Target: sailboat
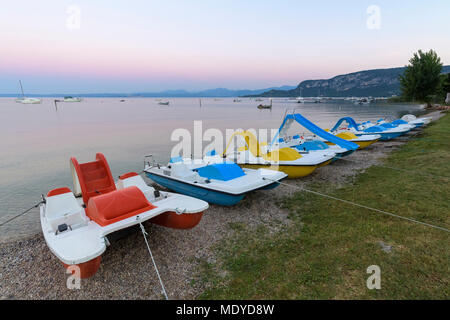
26, 100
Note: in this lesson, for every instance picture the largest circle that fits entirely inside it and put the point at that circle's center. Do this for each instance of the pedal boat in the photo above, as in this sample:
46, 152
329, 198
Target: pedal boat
418, 122
394, 124
288, 160
76, 224
313, 144
212, 179
362, 141
386, 131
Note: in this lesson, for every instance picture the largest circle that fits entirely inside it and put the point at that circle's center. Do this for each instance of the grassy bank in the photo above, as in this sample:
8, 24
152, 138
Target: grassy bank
325, 251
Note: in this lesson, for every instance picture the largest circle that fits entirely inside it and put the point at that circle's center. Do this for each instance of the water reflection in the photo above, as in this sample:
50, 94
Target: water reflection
38, 140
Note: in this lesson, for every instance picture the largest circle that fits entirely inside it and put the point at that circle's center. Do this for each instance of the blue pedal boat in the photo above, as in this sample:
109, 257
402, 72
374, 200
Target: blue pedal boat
221, 182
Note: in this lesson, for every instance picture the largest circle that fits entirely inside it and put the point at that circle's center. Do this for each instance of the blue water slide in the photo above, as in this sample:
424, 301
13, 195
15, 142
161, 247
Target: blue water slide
317, 131
350, 121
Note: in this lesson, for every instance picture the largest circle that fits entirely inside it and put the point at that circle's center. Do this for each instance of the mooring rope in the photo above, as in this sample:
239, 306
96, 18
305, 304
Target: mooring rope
21, 214
361, 206
144, 233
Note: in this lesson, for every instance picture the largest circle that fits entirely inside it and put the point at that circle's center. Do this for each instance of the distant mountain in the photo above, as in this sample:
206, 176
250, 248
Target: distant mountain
369, 83
218, 92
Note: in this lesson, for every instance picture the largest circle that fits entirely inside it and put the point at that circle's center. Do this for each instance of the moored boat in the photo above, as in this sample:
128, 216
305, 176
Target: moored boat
412, 119
313, 143
255, 156
362, 141
30, 101
265, 106
25, 100
212, 179
369, 130
76, 224
71, 99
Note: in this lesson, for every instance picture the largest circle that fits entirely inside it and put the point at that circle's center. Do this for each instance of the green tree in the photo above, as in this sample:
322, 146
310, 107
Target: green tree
421, 80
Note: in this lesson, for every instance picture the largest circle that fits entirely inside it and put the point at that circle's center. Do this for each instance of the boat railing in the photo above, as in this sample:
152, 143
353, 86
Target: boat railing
151, 162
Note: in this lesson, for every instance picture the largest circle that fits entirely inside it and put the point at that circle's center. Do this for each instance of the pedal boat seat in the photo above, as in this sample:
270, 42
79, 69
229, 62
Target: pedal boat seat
117, 205
104, 203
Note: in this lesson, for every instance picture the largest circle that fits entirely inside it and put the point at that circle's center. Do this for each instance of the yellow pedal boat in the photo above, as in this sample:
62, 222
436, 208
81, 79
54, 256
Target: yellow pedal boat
294, 164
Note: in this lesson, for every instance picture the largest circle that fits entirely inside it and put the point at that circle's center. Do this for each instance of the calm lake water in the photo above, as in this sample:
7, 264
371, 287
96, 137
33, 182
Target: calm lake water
37, 141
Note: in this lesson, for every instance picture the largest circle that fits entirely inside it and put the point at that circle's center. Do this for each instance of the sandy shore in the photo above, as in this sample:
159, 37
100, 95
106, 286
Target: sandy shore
28, 270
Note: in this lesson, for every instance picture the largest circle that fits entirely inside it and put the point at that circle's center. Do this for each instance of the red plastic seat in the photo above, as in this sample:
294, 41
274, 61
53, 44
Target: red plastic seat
117, 205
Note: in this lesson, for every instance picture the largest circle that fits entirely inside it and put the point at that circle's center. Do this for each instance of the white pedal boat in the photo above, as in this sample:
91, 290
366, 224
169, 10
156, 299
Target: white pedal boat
385, 131
76, 224
418, 122
394, 124
212, 179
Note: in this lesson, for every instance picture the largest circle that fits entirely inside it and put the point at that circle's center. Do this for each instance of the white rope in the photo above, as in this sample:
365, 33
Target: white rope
144, 233
362, 206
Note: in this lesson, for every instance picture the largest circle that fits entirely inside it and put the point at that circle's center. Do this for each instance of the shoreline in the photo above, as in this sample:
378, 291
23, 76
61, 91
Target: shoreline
28, 270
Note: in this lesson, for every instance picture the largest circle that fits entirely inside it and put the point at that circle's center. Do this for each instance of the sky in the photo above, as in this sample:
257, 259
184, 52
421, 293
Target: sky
95, 46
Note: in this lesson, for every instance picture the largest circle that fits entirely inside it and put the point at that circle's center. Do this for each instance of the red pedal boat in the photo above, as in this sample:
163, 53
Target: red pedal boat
76, 224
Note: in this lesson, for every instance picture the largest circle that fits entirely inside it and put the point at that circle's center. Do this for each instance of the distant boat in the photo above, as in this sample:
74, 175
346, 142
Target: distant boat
163, 103
362, 101
25, 100
265, 106
311, 100
236, 100
30, 101
71, 99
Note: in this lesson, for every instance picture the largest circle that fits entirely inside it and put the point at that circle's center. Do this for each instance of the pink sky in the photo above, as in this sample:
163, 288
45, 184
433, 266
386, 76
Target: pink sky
198, 45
